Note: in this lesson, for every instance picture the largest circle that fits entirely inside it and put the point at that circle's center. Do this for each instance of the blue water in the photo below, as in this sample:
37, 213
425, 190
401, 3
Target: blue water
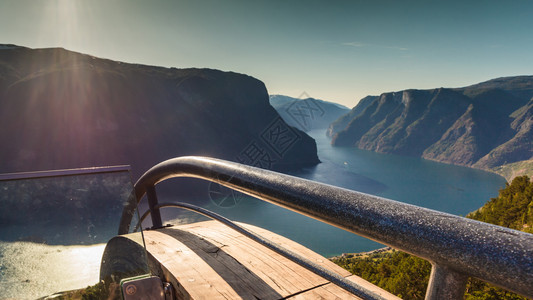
452, 189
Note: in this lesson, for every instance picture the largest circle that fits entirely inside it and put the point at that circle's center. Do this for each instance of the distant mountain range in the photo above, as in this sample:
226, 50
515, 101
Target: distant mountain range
307, 114
61, 109
487, 125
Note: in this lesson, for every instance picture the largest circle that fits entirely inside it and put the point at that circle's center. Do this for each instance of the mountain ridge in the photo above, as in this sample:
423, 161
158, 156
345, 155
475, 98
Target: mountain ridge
63, 109
307, 114
486, 125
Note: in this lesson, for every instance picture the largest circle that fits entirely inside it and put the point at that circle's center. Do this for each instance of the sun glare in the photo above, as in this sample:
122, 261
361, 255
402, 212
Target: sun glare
49, 268
60, 23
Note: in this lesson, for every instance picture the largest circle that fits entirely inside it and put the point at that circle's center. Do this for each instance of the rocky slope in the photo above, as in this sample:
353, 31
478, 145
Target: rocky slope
61, 109
307, 114
487, 125
343, 121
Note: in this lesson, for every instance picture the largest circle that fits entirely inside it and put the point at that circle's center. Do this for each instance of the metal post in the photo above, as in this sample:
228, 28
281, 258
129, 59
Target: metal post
445, 284
152, 202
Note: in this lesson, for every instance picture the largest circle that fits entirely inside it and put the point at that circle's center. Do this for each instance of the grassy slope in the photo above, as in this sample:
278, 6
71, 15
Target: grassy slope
510, 171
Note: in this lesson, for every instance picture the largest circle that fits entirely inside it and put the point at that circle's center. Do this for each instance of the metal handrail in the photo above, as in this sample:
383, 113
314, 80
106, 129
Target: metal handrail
457, 247
63, 173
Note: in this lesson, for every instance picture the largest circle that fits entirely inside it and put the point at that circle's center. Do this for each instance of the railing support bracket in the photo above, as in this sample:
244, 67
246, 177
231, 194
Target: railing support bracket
445, 284
152, 202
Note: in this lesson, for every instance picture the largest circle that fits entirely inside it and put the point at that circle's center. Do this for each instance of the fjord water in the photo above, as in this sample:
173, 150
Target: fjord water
448, 188
54, 230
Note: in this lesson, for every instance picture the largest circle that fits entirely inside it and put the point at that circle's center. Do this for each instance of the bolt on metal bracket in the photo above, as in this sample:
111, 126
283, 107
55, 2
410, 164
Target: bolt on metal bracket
146, 287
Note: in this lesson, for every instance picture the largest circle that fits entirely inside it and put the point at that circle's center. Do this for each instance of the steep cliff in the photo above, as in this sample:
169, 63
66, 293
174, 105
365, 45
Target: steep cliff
343, 121
61, 109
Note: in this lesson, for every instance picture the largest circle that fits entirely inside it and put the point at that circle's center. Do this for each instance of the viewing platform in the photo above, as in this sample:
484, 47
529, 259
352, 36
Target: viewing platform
223, 259
209, 260
456, 247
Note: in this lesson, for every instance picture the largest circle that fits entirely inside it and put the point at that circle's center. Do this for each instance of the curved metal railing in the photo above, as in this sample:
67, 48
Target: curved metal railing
457, 247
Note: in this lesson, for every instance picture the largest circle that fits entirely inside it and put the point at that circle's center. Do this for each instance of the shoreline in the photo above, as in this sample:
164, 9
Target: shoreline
363, 254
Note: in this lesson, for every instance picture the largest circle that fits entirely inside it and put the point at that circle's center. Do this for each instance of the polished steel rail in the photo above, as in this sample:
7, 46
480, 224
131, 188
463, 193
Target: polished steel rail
457, 247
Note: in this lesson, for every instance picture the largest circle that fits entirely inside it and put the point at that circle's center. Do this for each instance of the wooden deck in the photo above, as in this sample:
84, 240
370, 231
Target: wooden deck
208, 260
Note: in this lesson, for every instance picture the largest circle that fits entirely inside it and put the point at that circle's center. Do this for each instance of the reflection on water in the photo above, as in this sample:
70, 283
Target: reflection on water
32, 270
53, 229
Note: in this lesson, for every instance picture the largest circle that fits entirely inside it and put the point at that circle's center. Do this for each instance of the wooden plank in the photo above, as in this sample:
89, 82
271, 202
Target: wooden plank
297, 248
263, 258
209, 260
326, 292
238, 259
188, 272
332, 291
280, 240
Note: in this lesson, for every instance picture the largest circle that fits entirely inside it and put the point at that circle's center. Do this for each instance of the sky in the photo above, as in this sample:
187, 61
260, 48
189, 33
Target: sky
339, 51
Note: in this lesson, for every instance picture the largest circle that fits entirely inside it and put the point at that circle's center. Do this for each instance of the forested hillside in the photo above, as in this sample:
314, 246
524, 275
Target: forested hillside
407, 276
513, 208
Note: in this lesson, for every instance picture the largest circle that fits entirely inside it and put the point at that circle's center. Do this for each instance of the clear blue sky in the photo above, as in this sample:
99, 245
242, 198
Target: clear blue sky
334, 50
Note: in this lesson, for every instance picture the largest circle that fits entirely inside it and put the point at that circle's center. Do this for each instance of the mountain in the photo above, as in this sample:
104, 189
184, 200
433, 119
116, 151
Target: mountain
62, 109
487, 125
307, 114
343, 121
519, 86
